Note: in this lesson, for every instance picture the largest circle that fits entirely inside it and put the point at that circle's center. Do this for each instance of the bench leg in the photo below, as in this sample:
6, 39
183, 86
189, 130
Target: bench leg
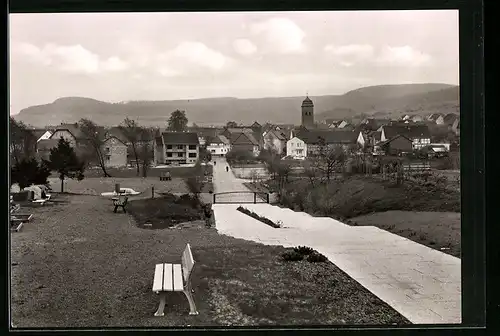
116, 208
124, 211
161, 307
189, 296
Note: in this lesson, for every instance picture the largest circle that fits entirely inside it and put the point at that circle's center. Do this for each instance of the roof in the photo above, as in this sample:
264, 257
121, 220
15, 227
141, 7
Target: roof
278, 134
410, 131
239, 129
47, 144
37, 133
218, 139
330, 137
256, 124
117, 133
307, 102
391, 139
72, 128
243, 139
435, 116
180, 138
375, 124
450, 118
205, 131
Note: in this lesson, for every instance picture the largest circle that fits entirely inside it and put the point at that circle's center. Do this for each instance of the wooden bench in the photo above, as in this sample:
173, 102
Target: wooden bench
42, 200
175, 278
121, 201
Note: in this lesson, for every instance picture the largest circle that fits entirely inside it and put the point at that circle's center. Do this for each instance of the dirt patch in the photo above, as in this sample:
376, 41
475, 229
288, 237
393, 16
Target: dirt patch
438, 230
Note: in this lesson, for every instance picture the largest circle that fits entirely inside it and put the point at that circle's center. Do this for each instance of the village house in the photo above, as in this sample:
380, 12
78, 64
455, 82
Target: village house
397, 145
437, 118
276, 141
244, 141
418, 134
115, 148
205, 133
176, 148
43, 148
218, 145
417, 118
373, 124
69, 132
451, 120
314, 138
296, 148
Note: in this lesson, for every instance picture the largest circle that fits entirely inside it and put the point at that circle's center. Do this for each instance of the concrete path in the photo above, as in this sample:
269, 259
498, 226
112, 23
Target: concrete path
423, 284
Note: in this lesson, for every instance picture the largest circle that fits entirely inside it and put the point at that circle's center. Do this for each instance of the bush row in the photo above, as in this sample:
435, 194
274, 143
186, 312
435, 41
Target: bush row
301, 252
257, 217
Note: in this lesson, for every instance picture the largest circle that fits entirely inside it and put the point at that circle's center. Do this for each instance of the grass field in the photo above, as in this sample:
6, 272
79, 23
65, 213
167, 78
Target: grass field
78, 264
437, 230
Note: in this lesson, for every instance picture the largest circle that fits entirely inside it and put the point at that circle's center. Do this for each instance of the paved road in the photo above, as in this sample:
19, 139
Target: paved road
423, 284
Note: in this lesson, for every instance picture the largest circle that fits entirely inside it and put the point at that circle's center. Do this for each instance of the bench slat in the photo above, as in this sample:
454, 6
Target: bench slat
167, 278
158, 279
187, 262
178, 284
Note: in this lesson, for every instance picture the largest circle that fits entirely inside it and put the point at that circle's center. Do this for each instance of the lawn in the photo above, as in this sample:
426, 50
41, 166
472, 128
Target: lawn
175, 171
437, 230
98, 185
78, 264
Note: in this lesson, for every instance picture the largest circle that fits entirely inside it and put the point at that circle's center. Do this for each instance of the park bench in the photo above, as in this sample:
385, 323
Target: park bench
165, 176
121, 201
175, 278
42, 200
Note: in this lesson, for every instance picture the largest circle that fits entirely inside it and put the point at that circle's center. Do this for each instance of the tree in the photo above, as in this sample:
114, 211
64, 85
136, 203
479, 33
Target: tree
64, 161
22, 141
205, 155
145, 150
94, 136
195, 183
132, 132
330, 159
177, 121
231, 124
28, 171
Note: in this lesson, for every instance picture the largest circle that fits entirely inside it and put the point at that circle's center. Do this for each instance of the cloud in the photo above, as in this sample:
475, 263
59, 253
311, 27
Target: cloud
72, 59
403, 56
244, 47
187, 55
280, 35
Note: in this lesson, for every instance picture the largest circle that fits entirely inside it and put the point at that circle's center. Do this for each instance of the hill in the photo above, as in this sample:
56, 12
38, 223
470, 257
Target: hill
382, 100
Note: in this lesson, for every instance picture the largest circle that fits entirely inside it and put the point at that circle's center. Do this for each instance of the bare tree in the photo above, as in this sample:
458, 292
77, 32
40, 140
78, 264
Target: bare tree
330, 159
22, 141
132, 132
311, 172
94, 136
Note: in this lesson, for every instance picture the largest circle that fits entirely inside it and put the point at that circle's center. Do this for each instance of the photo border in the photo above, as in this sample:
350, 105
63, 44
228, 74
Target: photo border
472, 127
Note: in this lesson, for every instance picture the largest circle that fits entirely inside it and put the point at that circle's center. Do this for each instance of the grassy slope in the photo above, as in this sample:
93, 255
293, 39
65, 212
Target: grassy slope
95, 269
438, 230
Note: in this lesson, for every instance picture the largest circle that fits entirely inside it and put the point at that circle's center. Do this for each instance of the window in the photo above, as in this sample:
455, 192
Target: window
169, 146
299, 151
180, 146
180, 154
106, 150
108, 157
212, 151
192, 147
169, 154
192, 155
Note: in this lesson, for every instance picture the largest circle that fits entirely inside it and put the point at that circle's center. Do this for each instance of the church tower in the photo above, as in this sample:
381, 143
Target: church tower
308, 113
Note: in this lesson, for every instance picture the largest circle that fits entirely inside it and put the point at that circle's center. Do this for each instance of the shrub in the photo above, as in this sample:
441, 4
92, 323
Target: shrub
194, 185
257, 217
316, 257
291, 256
304, 250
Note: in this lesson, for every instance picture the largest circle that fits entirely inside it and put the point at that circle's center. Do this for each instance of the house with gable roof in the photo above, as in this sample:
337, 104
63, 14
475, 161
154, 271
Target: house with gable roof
419, 134
275, 140
244, 141
176, 148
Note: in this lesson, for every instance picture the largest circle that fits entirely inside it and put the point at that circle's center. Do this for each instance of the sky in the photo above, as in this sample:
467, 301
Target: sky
117, 57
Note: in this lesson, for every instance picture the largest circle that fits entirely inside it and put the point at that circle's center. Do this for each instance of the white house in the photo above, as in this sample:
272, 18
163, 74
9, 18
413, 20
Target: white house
361, 139
296, 148
219, 146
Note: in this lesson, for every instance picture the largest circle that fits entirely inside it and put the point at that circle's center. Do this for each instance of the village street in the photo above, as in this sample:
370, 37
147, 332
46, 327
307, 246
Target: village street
423, 284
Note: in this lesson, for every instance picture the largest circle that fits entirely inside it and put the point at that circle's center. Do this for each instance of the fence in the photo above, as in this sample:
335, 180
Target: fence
417, 166
234, 197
